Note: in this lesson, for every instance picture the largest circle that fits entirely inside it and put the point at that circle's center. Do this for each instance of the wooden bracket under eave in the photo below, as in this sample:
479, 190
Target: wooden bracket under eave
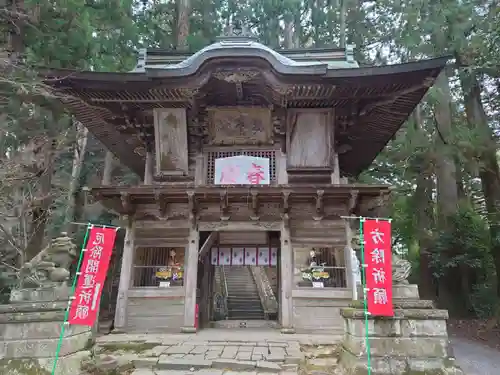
285, 215
192, 209
320, 207
254, 206
161, 201
224, 206
128, 208
353, 202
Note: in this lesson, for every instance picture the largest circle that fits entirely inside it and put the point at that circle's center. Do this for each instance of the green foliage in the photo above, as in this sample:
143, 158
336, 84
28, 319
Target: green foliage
465, 247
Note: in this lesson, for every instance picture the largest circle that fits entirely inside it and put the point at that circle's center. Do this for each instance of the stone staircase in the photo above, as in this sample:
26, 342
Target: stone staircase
243, 297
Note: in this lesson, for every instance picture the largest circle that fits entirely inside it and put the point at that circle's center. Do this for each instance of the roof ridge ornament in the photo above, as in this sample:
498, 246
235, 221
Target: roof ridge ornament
237, 32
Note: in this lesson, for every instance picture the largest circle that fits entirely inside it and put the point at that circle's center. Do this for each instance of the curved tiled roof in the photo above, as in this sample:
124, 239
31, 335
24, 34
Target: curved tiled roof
374, 100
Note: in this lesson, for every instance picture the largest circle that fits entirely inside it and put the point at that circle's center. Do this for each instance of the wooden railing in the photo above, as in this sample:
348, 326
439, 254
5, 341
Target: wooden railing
265, 290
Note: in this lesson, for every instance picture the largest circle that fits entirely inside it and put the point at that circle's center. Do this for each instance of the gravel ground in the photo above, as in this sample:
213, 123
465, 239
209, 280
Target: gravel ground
475, 358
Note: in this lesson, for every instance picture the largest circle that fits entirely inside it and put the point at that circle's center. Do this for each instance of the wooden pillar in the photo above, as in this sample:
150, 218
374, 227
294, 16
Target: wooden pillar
108, 168
336, 170
281, 172
125, 275
199, 170
148, 168
190, 278
286, 279
349, 272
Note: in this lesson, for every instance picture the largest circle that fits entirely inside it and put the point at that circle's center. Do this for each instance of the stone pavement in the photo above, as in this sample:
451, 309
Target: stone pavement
215, 351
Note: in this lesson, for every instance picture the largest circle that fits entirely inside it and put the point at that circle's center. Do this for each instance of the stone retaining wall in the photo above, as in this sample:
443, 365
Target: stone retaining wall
30, 327
413, 342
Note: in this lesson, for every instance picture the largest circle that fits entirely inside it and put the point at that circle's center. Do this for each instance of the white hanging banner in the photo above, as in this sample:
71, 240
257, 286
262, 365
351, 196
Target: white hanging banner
263, 258
274, 256
215, 256
224, 256
238, 254
242, 170
250, 256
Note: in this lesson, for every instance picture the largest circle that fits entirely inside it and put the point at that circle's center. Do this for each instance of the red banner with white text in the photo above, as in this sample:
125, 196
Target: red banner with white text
378, 260
93, 271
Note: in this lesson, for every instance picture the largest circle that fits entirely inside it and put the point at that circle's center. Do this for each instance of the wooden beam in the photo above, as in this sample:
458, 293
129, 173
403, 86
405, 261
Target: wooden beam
160, 242
162, 224
239, 226
207, 244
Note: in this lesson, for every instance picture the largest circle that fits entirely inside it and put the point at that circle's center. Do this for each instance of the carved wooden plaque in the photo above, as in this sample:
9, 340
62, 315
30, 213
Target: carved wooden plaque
171, 141
309, 138
239, 126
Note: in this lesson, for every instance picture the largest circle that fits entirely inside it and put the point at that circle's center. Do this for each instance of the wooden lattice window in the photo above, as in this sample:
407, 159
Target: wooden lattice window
158, 266
212, 155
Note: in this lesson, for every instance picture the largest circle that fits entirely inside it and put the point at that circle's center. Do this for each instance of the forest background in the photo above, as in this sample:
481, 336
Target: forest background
443, 163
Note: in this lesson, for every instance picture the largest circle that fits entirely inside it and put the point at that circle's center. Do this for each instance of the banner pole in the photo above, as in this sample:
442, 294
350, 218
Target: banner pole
66, 314
363, 268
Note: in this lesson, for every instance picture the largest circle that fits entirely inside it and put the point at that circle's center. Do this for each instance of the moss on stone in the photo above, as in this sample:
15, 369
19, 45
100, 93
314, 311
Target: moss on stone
22, 367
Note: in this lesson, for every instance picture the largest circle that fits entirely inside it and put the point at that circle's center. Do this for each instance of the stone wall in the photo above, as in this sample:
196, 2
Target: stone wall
413, 342
30, 327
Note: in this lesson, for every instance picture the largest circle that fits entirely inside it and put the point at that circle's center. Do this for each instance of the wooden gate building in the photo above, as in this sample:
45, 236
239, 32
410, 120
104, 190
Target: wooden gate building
314, 116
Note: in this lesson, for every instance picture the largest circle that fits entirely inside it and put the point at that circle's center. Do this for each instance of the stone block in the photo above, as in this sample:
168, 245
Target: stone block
405, 291
244, 356
229, 352
277, 344
233, 364
43, 348
179, 349
33, 316
143, 371
22, 307
44, 294
39, 330
214, 348
169, 363
212, 355
323, 362
199, 350
277, 351
275, 358
358, 365
412, 328
419, 310
248, 349
386, 328
208, 371
261, 350
266, 366
159, 350
294, 359
421, 347
145, 362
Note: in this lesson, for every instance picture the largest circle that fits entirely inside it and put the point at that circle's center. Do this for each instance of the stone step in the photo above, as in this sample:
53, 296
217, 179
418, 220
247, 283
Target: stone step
198, 362
245, 310
247, 300
246, 323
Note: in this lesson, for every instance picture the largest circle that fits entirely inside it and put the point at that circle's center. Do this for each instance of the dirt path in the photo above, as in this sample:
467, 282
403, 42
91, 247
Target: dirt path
475, 358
